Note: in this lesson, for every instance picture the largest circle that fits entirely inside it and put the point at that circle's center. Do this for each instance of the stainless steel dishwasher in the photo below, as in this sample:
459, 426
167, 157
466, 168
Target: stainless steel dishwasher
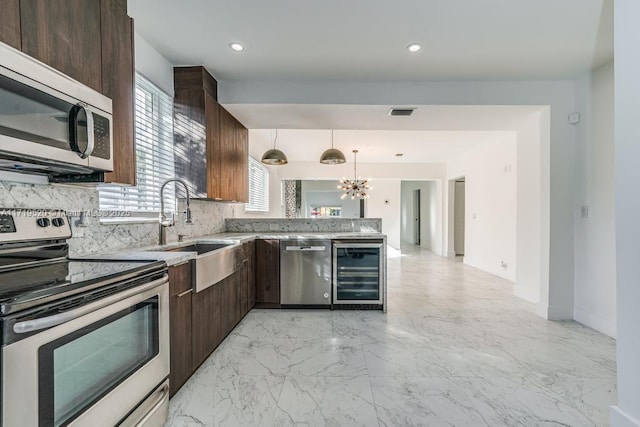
305, 272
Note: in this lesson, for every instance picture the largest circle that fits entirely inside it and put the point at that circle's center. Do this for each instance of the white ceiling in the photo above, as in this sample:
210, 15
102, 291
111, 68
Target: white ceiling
366, 39
432, 134
376, 146
375, 117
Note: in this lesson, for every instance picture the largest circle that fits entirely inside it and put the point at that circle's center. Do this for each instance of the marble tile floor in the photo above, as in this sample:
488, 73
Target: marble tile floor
456, 348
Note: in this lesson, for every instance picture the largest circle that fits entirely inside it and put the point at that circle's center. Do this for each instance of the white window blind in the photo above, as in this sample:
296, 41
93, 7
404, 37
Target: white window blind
258, 187
154, 155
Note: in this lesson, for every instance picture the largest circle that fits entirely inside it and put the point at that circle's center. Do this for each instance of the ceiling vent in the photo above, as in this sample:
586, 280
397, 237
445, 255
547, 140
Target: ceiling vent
404, 112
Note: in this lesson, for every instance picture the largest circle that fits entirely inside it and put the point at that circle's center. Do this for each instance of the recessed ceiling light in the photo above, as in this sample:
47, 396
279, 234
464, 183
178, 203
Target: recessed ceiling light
414, 47
236, 46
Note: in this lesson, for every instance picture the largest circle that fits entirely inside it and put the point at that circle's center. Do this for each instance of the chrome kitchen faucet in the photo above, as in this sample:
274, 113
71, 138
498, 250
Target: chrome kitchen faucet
164, 221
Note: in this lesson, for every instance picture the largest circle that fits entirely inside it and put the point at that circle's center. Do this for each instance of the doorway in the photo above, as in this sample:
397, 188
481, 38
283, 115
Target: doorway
459, 217
416, 217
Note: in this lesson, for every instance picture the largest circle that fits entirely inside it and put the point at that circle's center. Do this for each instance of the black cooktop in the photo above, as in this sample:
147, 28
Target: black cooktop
31, 286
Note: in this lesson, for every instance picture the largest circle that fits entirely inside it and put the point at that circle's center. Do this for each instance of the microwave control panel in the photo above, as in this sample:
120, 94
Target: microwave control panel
102, 147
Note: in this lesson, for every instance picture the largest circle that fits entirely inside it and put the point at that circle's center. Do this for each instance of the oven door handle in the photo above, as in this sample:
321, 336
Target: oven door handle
58, 319
164, 394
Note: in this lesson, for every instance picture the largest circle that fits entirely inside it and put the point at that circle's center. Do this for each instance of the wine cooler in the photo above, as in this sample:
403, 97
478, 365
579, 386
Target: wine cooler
357, 273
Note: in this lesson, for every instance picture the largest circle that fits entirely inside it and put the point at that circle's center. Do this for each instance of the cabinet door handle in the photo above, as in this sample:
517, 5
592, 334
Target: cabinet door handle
181, 294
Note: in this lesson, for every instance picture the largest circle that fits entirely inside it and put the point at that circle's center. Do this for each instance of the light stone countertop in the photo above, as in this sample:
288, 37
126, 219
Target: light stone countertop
156, 252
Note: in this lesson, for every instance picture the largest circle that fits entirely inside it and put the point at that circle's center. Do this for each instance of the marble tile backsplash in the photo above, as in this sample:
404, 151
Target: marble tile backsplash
303, 225
95, 237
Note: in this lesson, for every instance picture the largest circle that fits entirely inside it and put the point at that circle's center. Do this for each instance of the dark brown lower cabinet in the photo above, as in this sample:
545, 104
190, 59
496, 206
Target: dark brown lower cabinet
206, 321
10, 23
201, 321
180, 325
216, 311
267, 273
248, 282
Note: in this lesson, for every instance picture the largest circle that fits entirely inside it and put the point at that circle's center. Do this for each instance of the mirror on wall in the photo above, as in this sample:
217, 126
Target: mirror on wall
318, 199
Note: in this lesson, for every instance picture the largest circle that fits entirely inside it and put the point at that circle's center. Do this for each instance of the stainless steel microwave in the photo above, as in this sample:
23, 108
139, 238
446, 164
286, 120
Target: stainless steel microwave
49, 123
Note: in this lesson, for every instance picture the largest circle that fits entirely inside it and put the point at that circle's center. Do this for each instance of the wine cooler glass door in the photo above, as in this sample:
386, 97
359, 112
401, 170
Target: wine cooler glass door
357, 273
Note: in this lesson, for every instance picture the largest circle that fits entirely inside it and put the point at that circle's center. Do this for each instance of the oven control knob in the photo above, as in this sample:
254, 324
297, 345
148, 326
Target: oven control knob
43, 222
326, 295
57, 222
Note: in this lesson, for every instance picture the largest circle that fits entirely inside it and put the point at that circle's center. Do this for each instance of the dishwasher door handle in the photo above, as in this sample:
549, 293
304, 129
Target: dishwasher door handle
305, 248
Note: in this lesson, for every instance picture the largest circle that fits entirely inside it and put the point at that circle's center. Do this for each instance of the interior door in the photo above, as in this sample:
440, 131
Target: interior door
416, 216
459, 209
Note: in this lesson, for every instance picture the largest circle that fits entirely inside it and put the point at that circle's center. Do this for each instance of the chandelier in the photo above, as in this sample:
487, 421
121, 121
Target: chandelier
357, 188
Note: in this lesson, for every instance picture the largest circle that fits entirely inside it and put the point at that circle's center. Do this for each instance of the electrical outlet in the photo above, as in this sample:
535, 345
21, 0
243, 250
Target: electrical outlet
584, 211
273, 227
345, 226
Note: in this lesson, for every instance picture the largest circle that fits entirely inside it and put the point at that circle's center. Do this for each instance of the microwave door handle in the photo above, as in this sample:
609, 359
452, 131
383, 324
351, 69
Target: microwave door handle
91, 136
67, 316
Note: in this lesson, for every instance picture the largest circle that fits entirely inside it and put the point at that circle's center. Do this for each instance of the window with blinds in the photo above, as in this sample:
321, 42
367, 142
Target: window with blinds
154, 156
258, 187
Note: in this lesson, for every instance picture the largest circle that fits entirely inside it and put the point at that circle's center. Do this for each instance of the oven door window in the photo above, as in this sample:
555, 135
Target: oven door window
77, 370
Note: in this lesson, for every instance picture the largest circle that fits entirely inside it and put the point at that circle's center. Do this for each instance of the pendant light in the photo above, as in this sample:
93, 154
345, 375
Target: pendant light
332, 156
357, 188
274, 156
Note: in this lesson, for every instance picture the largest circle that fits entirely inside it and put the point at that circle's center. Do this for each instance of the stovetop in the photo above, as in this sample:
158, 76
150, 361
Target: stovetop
27, 287
35, 269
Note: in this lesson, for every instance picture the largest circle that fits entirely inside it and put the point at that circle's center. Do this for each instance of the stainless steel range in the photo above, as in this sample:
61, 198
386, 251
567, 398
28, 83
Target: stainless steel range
83, 342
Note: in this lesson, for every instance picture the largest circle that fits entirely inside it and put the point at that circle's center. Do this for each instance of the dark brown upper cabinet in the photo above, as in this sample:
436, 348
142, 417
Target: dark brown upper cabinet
211, 146
64, 34
91, 41
10, 23
118, 76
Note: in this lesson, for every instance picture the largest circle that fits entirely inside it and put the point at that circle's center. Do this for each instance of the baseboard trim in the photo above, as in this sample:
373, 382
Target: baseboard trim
541, 310
620, 419
596, 322
451, 254
554, 312
526, 294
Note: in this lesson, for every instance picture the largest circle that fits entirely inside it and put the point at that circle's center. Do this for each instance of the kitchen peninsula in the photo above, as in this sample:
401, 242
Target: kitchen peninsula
271, 263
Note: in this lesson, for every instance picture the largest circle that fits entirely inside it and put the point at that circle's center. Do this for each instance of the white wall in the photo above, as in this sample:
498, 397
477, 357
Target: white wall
532, 243
595, 253
553, 232
152, 65
385, 203
430, 210
490, 173
627, 153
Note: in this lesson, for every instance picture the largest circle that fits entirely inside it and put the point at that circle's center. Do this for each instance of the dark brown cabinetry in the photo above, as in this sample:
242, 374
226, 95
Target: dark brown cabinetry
118, 84
66, 35
211, 146
201, 321
10, 23
90, 41
207, 322
216, 311
248, 285
267, 273
180, 329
